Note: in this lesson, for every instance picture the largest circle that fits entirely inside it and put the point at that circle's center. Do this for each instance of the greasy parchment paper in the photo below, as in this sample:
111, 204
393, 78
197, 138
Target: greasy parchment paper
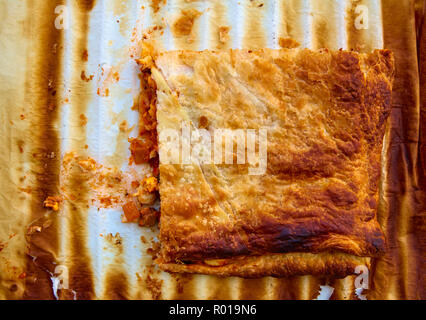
45, 46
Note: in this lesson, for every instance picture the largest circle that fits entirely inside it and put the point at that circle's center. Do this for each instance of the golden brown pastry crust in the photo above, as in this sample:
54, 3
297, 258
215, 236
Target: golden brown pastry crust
325, 113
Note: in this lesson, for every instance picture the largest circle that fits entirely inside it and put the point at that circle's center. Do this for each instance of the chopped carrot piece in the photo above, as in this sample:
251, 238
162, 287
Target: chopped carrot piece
52, 202
131, 212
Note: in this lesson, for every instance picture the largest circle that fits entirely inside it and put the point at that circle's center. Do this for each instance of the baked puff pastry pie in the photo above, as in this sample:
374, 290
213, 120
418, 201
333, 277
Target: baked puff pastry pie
270, 159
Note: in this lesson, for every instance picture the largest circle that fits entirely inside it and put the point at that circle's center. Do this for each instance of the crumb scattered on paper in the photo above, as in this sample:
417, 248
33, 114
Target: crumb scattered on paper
183, 25
83, 120
52, 202
86, 78
154, 286
124, 126
224, 34
157, 4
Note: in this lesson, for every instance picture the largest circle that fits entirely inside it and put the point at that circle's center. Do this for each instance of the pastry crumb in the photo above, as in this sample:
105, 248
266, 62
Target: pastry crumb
83, 120
123, 126
85, 55
224, 34
87, 165
86, 78
157, 4
183, 25
52, 202
150, 184
149, 217
288, 43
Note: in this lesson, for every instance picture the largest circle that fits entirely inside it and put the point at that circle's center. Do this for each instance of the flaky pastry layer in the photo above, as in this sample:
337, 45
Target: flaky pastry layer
314, 208
274, 265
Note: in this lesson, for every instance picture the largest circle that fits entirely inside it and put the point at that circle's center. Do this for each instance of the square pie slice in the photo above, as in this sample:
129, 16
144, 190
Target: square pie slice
312, 208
